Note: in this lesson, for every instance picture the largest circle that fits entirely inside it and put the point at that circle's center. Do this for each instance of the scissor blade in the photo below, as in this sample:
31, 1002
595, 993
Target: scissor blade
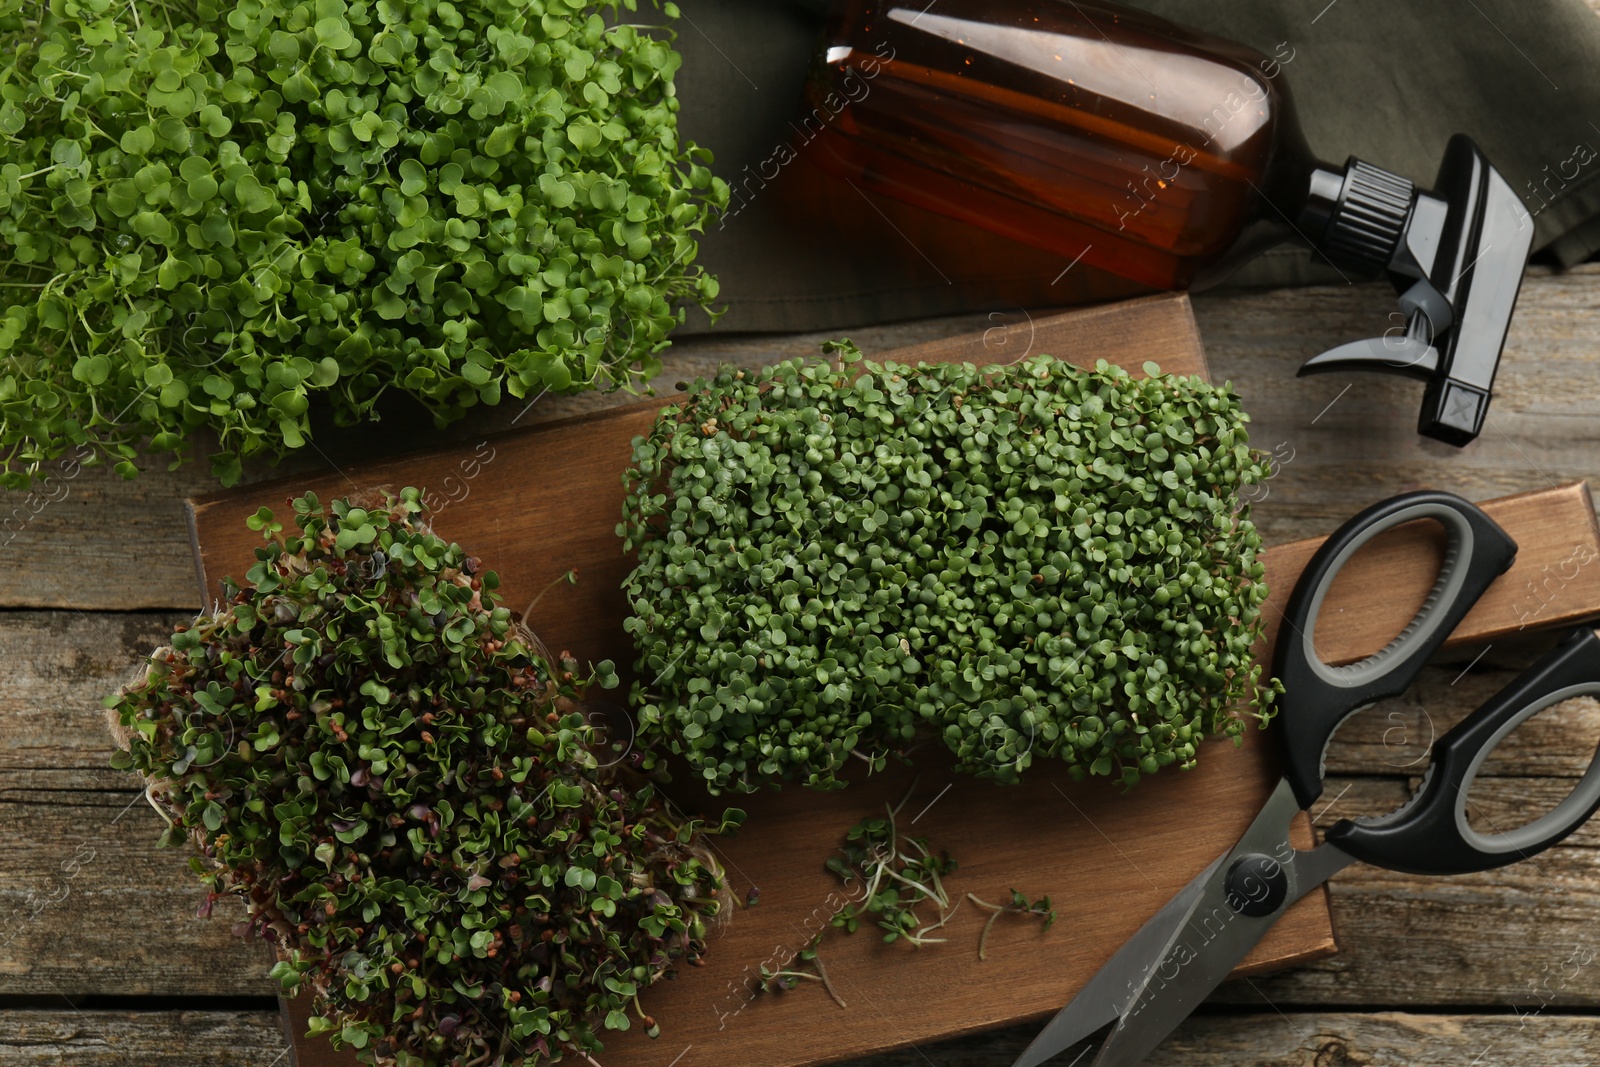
1116, 984
1192, 968
1216, 937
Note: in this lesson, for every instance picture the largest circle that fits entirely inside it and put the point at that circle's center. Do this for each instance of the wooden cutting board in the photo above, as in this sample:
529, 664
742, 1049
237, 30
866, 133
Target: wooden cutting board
538, 502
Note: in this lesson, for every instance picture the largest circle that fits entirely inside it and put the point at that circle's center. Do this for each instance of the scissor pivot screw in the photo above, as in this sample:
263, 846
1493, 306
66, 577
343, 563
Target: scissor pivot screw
1256, 885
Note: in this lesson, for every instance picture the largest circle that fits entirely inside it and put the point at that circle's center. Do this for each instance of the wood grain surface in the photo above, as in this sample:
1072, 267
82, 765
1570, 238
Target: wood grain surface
787, 836
1554, 580
109, 564
101, 1038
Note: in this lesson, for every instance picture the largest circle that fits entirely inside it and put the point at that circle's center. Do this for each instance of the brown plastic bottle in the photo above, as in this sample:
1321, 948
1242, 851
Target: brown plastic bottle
1165, 156
1084, 128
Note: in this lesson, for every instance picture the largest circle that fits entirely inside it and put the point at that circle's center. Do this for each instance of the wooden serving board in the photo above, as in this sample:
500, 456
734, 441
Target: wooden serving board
538, 502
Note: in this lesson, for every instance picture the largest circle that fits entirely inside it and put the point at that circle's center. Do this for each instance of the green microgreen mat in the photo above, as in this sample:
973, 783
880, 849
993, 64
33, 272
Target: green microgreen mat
1030, 562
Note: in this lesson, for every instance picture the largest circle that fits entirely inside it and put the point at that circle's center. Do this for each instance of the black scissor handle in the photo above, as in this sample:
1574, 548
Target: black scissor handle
1321, 696
1430, 834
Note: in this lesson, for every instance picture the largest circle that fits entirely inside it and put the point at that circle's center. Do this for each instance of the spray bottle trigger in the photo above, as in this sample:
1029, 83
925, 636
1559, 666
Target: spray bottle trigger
1410, 355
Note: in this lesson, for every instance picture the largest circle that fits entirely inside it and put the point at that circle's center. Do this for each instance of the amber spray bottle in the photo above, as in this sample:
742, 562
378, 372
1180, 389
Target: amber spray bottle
1168, 157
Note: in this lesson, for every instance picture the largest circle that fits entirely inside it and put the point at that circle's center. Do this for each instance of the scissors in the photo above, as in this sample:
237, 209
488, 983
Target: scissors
1158, 977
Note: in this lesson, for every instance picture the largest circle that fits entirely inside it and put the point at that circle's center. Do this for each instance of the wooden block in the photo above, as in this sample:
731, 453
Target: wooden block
537, 502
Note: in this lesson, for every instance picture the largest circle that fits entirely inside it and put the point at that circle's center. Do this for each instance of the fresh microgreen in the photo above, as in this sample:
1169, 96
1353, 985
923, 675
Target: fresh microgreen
367, 750
1018, 905
894, 874
1025, 562
214, 212
785, 978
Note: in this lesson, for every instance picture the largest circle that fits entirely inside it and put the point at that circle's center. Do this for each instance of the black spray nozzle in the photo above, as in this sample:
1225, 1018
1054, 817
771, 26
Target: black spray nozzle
1455, 255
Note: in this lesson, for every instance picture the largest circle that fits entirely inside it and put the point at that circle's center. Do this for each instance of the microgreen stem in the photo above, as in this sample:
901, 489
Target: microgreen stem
938, 886
152, 802
570, 577
983, 938
877, 875
918, 886
807, 975
943, 919
827, 983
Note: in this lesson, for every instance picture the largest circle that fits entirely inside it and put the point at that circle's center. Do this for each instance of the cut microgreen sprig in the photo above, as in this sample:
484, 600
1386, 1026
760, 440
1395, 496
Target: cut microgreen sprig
777, 981
1018, 905
898, 873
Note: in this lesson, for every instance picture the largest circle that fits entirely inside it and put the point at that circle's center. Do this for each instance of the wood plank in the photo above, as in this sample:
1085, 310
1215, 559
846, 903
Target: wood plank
59, 665
1393, 737
1480, 940
1352, 438
89, 905
1290, 1038
1506, 801
100, 1038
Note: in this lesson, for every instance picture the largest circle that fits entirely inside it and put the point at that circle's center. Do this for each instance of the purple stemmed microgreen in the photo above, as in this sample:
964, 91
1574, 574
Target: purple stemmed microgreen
407, 796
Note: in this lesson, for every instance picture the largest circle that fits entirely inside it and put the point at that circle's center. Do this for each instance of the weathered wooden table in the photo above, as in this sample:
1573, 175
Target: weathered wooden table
102, 960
